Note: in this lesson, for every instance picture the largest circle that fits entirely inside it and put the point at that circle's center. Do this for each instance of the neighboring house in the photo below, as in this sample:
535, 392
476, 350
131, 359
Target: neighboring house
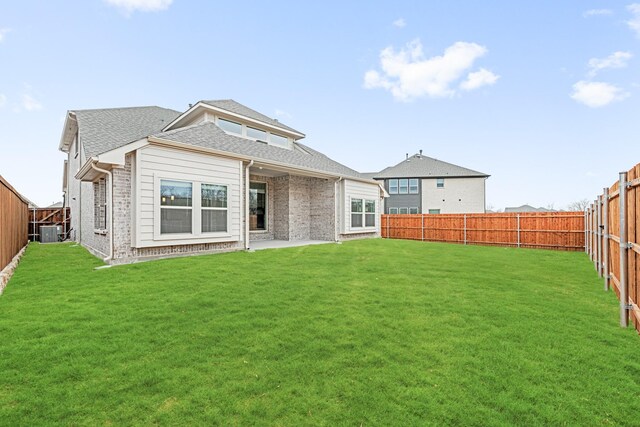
526, 208
146, 182
421, 184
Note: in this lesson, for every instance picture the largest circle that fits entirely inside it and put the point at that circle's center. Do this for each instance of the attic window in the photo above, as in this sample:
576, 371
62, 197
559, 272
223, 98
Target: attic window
256, 134
229, 126
279, 140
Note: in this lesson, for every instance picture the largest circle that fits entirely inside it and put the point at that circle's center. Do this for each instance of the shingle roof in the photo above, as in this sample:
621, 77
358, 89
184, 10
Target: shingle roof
106, 129
209, 135
526, 208
420, 166
237, 108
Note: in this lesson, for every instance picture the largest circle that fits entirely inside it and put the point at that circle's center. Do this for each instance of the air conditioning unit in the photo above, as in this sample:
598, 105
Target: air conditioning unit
50, 233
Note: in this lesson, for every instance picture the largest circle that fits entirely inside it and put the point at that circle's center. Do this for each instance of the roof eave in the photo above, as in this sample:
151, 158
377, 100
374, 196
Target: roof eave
70, 125
266, 162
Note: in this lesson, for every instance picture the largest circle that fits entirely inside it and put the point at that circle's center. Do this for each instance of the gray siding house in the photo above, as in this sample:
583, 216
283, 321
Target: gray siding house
147, 182
421, 184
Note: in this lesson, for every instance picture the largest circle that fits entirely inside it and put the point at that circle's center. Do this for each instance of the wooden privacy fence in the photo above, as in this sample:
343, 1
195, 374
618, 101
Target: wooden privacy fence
14, 216
48, 216
613, 236
543, 230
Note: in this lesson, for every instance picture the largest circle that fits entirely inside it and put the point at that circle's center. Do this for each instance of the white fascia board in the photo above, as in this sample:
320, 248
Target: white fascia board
70, 125
224, 112
117, 155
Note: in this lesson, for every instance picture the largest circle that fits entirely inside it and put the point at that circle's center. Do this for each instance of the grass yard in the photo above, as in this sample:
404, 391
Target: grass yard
375, 332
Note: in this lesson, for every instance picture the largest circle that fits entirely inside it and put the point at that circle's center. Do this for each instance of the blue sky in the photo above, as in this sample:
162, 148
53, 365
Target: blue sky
544, 95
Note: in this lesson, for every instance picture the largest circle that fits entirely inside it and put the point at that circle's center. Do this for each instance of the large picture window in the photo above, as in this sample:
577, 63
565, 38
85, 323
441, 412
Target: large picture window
257, 206
176, 210
214, 208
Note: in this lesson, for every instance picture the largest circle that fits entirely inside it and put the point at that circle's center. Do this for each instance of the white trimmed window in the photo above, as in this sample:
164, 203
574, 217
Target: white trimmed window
434, 211
278, 140
214, 208
393, 186
403, 210
414, 211
369, 213
100, 204
176, 207
404, 186
440, 183
413, 186
393, 211
363, 213
356, 213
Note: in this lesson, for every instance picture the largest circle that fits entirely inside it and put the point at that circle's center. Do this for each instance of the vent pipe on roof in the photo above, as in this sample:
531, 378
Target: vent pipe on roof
420, 155
407, 158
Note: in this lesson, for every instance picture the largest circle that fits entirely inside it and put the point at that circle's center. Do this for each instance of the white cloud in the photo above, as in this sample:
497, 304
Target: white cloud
29, 103
634, 22
3, 100
407, 74
130, 6
597, 94
597, 12
615, 60
3, 32
480, 78
399, 23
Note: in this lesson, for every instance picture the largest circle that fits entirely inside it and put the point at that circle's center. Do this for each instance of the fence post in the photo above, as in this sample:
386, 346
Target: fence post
465, 229
605, 238
624, 307
422, 226
518, 226
590, 252
586, 230
599, 235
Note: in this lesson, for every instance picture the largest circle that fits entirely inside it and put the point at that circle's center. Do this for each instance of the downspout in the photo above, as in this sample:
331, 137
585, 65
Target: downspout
110, 202
337, 210
246, 206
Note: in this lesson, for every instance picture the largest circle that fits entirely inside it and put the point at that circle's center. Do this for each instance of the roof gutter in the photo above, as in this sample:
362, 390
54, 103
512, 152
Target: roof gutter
110, 202
286, 166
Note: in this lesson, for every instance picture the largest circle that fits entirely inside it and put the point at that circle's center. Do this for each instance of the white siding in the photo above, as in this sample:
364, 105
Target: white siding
459, 195
358, 190
155, 163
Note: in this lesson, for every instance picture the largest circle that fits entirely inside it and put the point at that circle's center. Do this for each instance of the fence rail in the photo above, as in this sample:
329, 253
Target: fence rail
613, 242
543, 230
14, 216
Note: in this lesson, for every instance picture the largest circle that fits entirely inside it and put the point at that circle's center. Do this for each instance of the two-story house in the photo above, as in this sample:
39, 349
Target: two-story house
421, 184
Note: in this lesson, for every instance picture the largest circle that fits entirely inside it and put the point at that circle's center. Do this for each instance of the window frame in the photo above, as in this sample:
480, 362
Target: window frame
100, 210
196, 207
434, 211
405, 186
393, 213
217, 122
406, 211
417, 211
210, 208
439, 182
363, 213
394, 180
417, 186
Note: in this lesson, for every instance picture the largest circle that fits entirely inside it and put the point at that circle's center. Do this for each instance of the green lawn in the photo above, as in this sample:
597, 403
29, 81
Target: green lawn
376, 332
